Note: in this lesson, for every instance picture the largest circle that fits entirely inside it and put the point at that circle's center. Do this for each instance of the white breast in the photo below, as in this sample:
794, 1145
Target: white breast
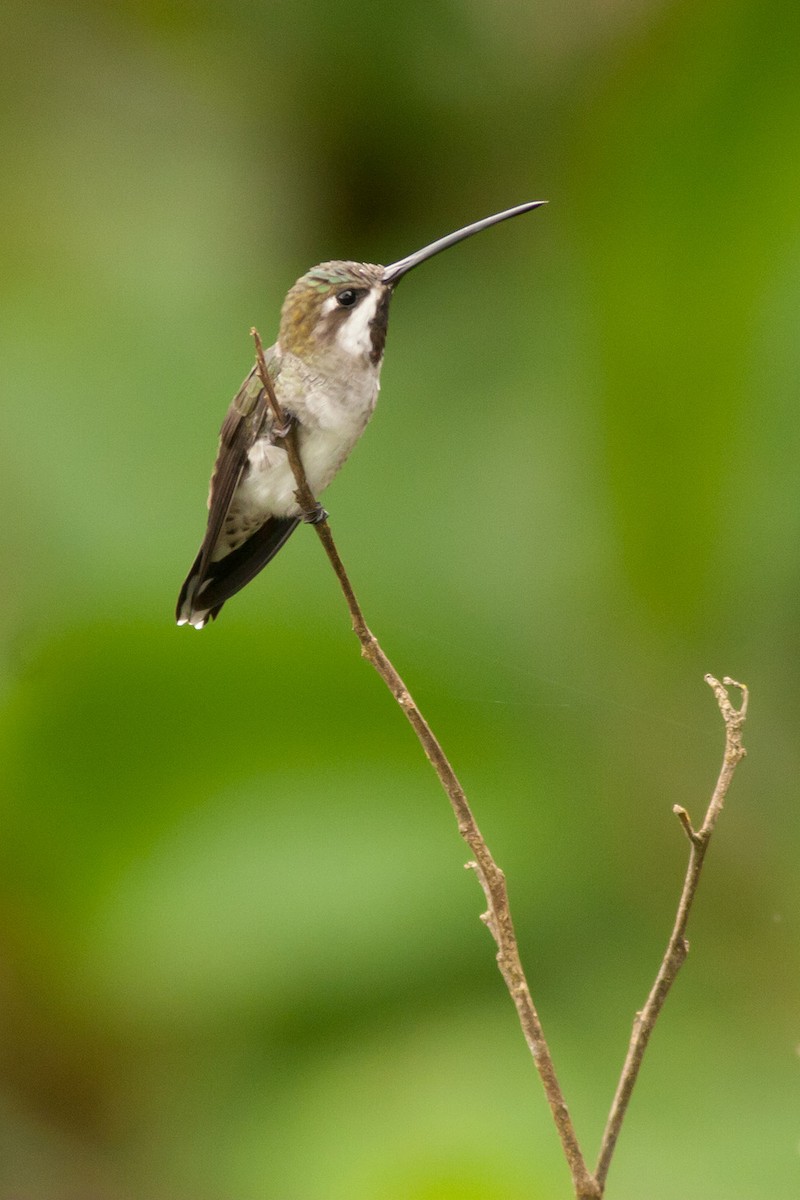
332, 418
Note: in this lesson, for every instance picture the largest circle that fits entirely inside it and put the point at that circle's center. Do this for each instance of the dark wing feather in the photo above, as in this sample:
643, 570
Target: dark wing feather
247, 418
229, 575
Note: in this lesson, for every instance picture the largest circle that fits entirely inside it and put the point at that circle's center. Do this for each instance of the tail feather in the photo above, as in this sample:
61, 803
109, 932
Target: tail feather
205, 590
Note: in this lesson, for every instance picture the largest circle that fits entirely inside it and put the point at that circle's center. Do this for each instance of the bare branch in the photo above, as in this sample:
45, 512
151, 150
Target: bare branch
491, 878
497, 918
685, 821
678, 947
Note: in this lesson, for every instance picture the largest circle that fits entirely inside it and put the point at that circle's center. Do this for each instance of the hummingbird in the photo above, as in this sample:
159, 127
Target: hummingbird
325, 368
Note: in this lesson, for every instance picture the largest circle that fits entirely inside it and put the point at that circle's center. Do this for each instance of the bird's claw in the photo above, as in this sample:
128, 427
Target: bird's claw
316, 516
282, 431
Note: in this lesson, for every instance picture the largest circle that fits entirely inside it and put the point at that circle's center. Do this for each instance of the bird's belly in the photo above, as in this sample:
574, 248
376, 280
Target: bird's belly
323, 452
329, 427
268, 486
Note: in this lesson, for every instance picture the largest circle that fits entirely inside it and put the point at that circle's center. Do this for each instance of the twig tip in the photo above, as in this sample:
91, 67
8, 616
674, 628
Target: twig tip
685, 820
730, 713
743, 690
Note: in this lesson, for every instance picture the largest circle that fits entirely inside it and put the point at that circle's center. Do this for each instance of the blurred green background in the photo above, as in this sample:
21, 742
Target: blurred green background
239, 956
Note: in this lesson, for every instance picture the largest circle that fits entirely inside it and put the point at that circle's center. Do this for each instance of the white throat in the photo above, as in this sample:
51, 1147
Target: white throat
354, 335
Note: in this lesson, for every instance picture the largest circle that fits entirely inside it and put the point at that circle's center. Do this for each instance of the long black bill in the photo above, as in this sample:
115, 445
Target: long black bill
397, 270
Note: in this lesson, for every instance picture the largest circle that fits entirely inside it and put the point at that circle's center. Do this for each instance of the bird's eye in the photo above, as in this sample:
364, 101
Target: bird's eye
347, 298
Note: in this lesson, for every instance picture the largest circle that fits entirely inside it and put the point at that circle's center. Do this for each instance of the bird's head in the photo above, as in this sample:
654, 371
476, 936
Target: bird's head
342, 308
337, 306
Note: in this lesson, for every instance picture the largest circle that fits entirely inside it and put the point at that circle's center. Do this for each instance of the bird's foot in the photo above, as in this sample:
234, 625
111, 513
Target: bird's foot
316, 516
279, 432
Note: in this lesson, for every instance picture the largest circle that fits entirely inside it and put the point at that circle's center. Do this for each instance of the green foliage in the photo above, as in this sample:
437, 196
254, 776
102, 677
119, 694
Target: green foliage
240, 958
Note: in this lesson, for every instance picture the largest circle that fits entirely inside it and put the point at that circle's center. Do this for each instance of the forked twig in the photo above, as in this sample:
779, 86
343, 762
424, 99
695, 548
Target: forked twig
678, 947
491, 878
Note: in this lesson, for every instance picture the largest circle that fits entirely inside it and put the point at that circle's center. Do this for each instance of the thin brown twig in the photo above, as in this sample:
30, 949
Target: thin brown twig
678, 947
491, 878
